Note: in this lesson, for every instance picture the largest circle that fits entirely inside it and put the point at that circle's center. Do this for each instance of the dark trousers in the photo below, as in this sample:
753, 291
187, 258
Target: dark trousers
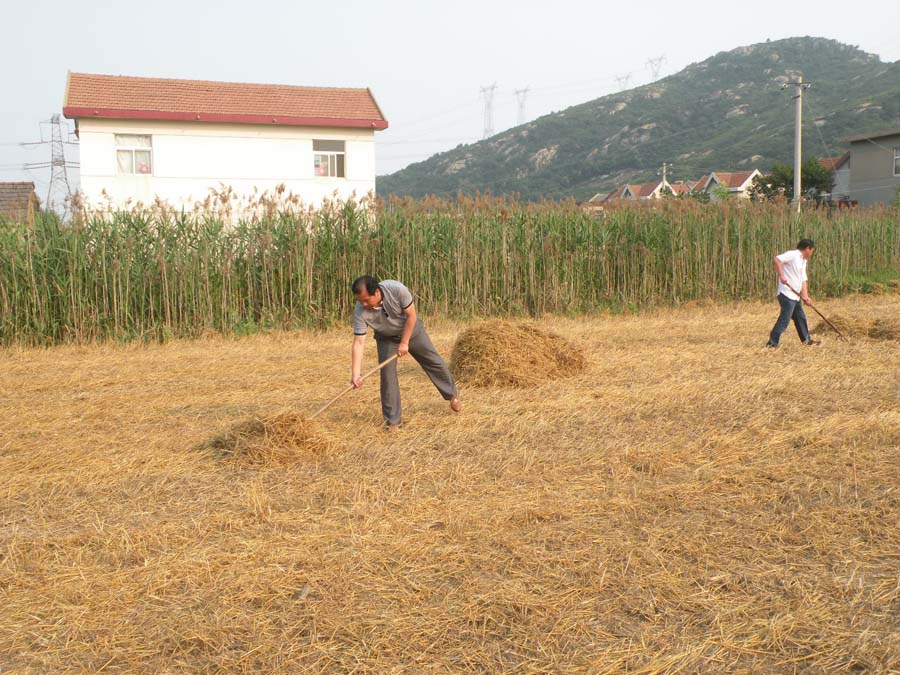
421, 349
790, 309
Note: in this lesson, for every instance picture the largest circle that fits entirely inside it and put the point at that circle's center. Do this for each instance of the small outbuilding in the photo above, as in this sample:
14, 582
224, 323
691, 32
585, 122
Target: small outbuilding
18, 202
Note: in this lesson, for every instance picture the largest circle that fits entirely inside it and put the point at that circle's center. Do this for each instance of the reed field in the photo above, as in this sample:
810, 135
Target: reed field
686, 502
152, 274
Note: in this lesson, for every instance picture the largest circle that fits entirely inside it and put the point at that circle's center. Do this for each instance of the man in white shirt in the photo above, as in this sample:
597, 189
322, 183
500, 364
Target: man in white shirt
387, 307
793, 292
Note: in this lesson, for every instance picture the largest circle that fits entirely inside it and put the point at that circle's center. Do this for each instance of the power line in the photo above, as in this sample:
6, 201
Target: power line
487, 94
521, 95
59, 179
654, 65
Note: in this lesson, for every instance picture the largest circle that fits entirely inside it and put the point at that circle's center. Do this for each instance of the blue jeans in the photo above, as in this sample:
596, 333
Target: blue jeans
790, 309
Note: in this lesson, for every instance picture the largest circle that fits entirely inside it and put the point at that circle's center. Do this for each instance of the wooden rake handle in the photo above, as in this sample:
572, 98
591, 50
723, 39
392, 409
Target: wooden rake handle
824, 318
350, 387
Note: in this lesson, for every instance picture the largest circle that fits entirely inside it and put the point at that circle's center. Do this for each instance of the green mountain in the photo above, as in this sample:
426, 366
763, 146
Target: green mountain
727, 113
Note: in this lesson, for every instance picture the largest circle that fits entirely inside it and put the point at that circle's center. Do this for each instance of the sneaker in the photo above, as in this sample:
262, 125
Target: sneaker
387, 427
455, 404
769, 345
812, 343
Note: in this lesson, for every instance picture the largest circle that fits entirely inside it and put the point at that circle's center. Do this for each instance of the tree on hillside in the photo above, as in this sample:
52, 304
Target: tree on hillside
814, 178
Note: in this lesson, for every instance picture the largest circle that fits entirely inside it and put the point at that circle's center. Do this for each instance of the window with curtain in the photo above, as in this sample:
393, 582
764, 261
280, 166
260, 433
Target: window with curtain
134, 154
328, 158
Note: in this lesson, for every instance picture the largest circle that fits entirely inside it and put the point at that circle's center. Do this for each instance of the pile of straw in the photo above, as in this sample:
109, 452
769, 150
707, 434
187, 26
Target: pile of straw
849, 326
282, 438
500, 353
885, 328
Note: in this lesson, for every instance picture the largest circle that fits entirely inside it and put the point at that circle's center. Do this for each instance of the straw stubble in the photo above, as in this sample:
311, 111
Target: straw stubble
688, 503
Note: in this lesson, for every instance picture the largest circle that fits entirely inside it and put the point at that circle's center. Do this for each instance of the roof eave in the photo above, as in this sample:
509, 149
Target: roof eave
871, 136
75, 112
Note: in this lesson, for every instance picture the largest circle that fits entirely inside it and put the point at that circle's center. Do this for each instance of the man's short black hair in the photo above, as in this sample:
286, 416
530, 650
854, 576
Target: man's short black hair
805, 243
369, 283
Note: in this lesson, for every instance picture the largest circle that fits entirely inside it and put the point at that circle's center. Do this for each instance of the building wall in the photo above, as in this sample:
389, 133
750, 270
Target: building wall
189, 159
841, 188
872, 179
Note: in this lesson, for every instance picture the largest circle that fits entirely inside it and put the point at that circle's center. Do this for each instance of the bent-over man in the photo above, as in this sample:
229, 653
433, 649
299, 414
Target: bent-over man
387, 306
791, 269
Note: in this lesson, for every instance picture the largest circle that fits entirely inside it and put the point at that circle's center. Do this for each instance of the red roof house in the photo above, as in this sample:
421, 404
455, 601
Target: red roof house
148, 139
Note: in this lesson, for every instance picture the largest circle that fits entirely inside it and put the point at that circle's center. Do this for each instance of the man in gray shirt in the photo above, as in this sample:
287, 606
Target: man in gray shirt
387, 306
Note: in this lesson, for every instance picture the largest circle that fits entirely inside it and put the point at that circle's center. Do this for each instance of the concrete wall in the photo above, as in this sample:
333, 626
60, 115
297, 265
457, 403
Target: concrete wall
872, 179
841, 188
191, 158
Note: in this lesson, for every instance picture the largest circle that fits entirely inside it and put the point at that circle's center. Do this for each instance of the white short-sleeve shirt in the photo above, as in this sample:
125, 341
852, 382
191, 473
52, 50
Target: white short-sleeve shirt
794, 265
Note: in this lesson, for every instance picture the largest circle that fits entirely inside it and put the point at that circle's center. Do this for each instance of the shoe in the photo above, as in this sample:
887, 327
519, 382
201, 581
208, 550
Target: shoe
455, 404
812, 343
387, 427
769, 345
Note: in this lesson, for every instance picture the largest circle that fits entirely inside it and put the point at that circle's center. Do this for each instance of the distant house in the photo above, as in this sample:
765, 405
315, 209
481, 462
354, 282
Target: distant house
874, 167
142, 138
840, 166
633, 192
18, 202
736, 183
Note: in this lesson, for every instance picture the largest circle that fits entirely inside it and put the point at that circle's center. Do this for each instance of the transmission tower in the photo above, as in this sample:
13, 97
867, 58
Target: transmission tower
623, 81
59, 188
488, 94
521, 95
655, 65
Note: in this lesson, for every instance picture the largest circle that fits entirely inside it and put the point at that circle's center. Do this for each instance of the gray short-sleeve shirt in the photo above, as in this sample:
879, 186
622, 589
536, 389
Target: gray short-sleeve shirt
389, 319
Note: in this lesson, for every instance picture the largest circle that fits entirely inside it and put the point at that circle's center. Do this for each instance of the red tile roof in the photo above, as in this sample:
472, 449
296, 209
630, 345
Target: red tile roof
699, 184
644, 189
115, 96
615, 194
733, 180
834, 163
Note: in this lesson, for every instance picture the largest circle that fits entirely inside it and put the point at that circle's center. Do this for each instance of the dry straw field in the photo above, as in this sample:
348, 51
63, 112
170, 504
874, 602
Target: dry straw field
687, 502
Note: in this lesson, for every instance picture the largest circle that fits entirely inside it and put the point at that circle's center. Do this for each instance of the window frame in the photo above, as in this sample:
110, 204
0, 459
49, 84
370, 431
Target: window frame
897, 161
133, 149
336, 160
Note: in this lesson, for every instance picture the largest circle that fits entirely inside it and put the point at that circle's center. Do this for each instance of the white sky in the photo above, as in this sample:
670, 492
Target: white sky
424, 61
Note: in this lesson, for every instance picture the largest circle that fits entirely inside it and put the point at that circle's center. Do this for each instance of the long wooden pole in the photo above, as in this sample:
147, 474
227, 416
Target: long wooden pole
824, 318
349, 387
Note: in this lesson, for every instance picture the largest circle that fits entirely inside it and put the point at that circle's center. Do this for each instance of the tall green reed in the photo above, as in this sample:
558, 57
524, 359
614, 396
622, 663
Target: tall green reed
152, 274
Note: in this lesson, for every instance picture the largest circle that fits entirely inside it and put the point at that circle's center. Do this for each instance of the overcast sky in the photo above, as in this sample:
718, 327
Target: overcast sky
424, 61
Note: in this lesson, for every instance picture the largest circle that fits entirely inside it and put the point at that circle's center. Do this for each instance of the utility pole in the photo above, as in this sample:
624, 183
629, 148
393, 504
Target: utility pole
521, 95
488, 94
59, 181
798, 134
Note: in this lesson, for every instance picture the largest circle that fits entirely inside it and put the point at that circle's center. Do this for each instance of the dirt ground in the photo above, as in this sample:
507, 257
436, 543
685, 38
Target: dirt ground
690, 502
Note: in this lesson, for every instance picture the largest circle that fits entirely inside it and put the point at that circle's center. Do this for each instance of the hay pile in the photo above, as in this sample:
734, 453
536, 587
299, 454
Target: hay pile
282, 438
885, 329
500, 353
849, 326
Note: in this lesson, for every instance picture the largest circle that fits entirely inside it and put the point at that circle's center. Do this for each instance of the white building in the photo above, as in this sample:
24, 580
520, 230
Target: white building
147, 138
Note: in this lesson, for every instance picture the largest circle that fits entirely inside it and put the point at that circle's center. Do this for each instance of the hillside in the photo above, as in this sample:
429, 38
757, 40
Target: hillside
725, 113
